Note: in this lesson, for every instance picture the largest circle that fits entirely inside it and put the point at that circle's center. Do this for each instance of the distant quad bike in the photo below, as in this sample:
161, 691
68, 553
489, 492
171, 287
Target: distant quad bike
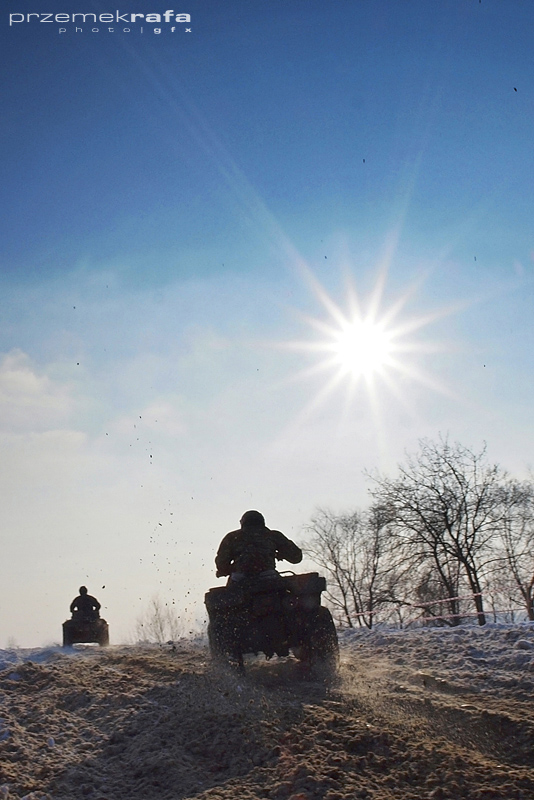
83, 631
273, 615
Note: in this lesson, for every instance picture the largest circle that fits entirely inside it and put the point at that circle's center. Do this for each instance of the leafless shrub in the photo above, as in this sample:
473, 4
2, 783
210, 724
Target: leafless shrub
160, 623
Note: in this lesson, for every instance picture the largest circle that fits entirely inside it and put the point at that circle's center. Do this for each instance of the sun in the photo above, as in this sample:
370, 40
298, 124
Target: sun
362, 347
366, 342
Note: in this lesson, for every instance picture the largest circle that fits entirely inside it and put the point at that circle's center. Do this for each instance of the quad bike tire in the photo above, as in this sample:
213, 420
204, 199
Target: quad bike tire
222, 640
103, 638
217, 640
319, 649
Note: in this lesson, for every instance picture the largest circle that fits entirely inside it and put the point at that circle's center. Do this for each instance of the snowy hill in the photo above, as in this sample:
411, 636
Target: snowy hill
415, 715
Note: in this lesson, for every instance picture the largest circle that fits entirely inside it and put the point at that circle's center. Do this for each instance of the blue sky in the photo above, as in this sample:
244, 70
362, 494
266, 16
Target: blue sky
176, 205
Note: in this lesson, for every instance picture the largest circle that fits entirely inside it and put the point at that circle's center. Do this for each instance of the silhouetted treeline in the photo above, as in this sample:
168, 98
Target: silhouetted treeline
450, 538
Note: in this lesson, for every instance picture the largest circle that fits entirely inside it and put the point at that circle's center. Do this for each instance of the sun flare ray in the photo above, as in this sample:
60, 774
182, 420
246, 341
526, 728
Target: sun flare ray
367, 345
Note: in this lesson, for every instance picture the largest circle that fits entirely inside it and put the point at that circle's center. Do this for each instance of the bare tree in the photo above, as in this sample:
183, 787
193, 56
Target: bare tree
517, 541
353, 550
160, 623
447, 511
438, 599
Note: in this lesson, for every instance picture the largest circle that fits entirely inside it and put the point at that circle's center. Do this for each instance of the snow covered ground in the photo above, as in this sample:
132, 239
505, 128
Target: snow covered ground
494, 657
425, 714
501, 655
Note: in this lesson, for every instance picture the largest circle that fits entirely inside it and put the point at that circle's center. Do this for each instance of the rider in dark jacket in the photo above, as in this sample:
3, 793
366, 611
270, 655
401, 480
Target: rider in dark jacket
254, 549
85, 607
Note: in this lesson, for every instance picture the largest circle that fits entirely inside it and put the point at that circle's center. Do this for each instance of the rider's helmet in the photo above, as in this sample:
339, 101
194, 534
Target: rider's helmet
252, 519
83, 589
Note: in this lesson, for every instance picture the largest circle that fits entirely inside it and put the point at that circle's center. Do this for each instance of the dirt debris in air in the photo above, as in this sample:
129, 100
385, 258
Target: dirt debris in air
162, 724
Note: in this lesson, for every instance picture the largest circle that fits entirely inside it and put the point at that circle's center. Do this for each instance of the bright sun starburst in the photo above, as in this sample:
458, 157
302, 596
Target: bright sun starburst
362, 347
367, 343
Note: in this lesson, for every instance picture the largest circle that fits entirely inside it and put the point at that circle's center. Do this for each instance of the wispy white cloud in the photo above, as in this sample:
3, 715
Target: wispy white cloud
29, 399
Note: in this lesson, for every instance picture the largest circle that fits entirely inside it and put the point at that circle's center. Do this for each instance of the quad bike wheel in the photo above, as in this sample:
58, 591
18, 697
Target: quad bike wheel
67, 639
320, 650
103, 637
222, 639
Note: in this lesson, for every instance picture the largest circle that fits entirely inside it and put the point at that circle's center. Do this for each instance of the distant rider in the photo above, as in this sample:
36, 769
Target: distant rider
254, 549
85, 607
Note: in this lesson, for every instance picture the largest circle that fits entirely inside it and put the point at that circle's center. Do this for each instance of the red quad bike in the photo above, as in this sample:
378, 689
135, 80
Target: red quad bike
83, 631
273, 615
